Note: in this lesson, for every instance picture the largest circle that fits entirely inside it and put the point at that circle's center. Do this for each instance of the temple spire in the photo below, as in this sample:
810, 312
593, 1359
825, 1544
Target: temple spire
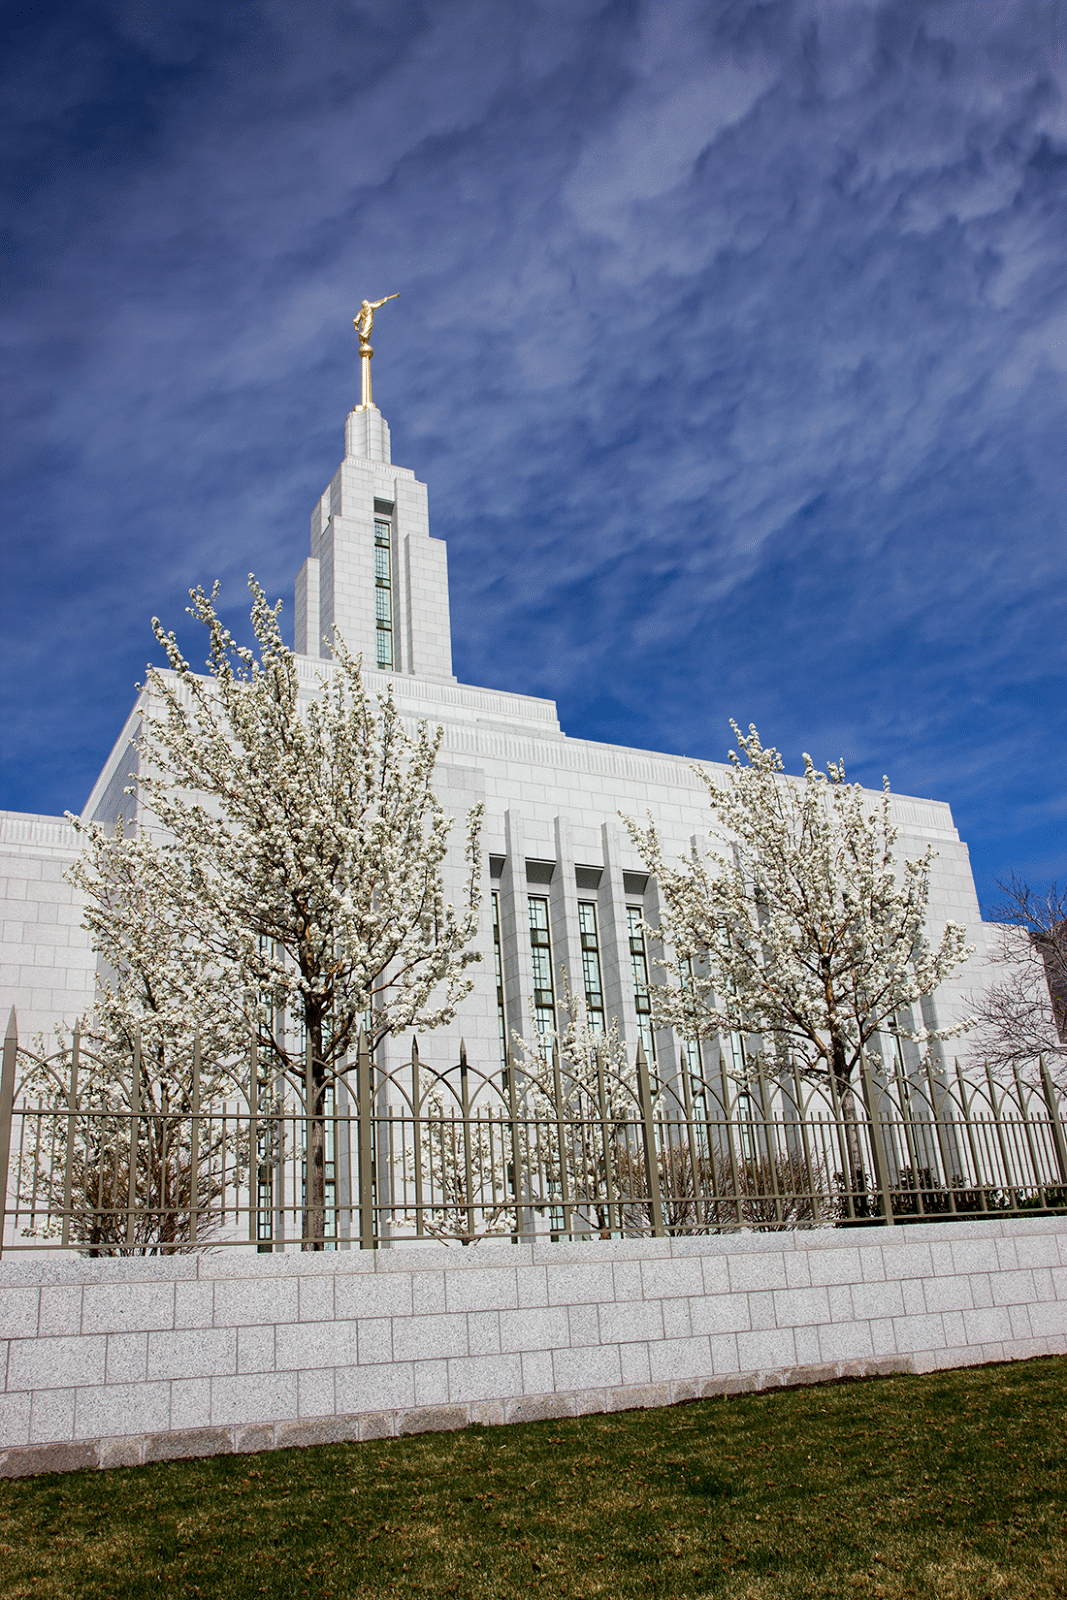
363, 323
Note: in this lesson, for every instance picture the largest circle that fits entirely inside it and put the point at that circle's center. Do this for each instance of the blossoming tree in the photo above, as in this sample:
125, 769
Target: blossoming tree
802, 928
288, 865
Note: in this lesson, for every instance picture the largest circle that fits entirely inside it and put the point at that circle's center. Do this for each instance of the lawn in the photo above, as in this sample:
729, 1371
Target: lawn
949, 1485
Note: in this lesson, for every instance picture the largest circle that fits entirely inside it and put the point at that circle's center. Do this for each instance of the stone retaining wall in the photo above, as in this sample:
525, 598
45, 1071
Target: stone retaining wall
114, 1362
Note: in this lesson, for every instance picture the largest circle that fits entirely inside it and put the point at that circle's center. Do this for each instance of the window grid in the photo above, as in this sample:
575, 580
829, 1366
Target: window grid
594, 988
383, 592
541, 952
639, 968
499, 965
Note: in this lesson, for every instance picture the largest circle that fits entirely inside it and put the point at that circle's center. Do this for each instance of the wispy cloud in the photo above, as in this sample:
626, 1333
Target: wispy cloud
732, 344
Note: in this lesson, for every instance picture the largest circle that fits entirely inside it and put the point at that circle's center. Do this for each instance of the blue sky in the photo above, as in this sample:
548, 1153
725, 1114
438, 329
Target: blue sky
732, 344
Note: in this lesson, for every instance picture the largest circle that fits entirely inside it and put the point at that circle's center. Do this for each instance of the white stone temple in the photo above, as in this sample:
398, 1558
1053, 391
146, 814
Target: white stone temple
567, 888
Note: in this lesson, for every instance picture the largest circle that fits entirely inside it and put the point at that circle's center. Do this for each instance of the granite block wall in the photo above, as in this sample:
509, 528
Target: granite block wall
122, 1361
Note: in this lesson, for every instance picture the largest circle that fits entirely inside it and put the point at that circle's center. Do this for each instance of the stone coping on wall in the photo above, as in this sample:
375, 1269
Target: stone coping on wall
120, 1361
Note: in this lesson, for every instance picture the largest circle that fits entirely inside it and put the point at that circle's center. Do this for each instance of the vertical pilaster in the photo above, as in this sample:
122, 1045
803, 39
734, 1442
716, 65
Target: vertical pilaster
515, 928
306, 609
563, 914
615, 942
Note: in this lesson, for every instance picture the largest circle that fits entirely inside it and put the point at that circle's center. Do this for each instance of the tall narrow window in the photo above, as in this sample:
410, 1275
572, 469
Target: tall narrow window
383, 591
639, 967
594, 988
499, 963
541, 951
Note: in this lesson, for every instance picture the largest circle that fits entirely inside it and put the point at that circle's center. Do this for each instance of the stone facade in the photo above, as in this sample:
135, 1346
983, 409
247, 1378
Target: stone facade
113, 1362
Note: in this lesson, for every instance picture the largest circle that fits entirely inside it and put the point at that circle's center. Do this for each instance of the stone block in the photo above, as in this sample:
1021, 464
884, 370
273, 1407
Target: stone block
767, 1349
1048, 1320
720, 1314
948, 1294
620, 1324
481, 1289
672, 1360
808, 1347
1021, 1326
635, 1364
765, 1270
315, 1393
190, 1403
761, 1310
28, 1462
913, 1334
428, 1338
578, 1285
188, 1444
244, 1302
194, 1305
310, 1431
255, 1349
383, 1388
386, 1294
121, 1408
797, 1270
834, 1266
127, 1358
52, 1416
531, 1286
14, 1420
318, 1344
483, 1333
541, 1328
473, 1378
539, 1407
587, 1367
431, 1382
911, 1290
676, 1320
56, 1363
536, 1371
627, 1281
878, 1299
432, 1419
904, 1259
192, 1353
583, 1324
1012, 1288
251, 1441
375, 1340
61, 1310
378, 1425
974, 1255
122, 1307
18, 1312
427, 1293
121, 1452
673, 1278
800, 1307
846, 1341
260, 1397
1037, 1250
316, 1299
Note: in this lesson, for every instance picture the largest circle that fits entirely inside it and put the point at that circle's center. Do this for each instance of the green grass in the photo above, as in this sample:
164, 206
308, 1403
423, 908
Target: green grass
951, 1485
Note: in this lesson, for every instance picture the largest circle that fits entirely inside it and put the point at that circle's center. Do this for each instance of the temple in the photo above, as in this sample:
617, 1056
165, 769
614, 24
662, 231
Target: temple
563, 884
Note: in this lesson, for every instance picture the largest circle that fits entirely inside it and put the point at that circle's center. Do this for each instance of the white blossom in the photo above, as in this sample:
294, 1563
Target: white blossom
286, 869
801, 928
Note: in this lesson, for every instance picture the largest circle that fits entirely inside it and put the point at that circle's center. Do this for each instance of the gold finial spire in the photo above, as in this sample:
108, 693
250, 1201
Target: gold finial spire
363, 323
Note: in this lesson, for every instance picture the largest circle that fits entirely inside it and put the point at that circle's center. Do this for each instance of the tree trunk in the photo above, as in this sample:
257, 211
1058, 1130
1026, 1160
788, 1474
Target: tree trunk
314, 1229
857, 1177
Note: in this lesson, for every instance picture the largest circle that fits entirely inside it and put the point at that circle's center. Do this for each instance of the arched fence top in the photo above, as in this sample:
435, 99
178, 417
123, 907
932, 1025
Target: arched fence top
98, 1157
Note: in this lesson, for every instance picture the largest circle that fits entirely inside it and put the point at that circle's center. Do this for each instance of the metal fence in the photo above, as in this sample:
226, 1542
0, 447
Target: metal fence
95, 1159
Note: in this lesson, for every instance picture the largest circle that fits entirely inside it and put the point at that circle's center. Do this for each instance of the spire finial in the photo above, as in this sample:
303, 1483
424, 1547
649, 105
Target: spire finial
363, 323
